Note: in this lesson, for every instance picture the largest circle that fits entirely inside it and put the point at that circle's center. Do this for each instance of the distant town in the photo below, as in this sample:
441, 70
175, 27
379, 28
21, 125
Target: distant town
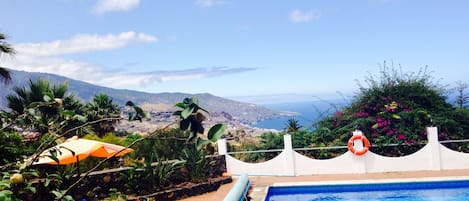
160, 119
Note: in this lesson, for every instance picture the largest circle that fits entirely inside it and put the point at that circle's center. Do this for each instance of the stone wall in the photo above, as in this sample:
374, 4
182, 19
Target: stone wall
97, 185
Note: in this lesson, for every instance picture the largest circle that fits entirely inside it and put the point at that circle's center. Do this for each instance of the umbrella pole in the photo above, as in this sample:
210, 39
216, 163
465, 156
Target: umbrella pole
78, 167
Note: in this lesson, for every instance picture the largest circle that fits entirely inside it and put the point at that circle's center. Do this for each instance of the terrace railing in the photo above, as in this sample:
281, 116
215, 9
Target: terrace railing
433, 156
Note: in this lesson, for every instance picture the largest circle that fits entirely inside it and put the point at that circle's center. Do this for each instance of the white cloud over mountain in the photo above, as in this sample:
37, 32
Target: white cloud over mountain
96, 74
126, 79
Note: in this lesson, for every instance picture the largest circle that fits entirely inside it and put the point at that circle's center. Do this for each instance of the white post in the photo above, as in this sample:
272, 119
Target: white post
222, 150
289, 156
435, 159
358, 145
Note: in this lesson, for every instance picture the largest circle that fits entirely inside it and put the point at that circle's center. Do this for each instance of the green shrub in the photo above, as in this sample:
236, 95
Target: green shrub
167, 144
396, 108
12, 147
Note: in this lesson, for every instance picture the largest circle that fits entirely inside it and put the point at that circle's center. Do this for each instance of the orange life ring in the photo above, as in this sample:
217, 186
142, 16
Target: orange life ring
366, 145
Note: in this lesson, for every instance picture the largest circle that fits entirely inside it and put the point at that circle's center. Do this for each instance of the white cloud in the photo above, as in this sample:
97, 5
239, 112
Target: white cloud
68, 68
208, 3
128, 79
104, 6
84, 43
96, 74
298, 16
45, 57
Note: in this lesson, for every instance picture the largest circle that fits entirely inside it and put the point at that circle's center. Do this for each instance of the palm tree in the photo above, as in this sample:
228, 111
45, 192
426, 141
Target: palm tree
5, 48
32, 97
23, 96
100, 108
292, 125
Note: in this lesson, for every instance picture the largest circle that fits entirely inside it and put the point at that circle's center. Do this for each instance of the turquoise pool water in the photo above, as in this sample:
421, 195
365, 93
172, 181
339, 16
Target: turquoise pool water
405, 191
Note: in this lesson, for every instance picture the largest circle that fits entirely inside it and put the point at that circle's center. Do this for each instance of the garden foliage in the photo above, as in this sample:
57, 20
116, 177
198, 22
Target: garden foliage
55, 116
392, 109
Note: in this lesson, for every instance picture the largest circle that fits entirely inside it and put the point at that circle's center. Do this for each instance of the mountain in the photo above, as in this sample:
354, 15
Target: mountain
243, 112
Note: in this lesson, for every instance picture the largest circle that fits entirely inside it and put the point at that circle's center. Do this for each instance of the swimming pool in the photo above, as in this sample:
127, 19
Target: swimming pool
402, 191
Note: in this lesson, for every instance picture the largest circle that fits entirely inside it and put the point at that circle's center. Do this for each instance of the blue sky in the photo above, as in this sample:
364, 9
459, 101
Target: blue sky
237, 48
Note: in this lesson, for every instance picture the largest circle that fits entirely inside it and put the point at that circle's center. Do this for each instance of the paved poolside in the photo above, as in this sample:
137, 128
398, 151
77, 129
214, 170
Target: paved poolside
262, 182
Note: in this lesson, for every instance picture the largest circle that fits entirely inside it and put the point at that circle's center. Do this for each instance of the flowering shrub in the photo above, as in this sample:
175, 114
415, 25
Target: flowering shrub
395, 109
393, 112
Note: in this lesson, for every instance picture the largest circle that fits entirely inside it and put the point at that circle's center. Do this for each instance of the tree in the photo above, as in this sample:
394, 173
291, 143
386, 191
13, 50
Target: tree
102, 107
59, 185
5, 48
41, 102
35, 93
292, 125
72, 115
462, 98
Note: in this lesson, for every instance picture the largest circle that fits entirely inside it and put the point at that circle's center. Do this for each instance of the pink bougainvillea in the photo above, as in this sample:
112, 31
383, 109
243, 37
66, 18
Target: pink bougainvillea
401, 137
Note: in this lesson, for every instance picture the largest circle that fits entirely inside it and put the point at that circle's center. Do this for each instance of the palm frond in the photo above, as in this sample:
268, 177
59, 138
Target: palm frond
5, 76
4, 46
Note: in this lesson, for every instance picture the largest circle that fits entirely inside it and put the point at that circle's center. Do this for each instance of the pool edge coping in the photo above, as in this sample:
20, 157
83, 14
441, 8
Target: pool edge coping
264, 190
369, 181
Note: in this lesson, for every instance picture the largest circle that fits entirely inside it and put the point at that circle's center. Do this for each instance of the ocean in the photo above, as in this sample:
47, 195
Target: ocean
308, 112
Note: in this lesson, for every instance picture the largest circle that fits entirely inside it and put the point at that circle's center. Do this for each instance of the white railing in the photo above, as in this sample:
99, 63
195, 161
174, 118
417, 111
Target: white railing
433, 156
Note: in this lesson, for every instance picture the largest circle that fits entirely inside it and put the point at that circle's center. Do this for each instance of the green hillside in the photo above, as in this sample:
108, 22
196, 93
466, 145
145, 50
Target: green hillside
245, 112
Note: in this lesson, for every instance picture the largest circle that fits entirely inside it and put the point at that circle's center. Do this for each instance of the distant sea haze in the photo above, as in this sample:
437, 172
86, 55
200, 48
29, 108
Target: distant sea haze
308, 112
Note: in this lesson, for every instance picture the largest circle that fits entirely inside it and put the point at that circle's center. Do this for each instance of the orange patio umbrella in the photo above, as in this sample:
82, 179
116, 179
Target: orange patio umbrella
76, 149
